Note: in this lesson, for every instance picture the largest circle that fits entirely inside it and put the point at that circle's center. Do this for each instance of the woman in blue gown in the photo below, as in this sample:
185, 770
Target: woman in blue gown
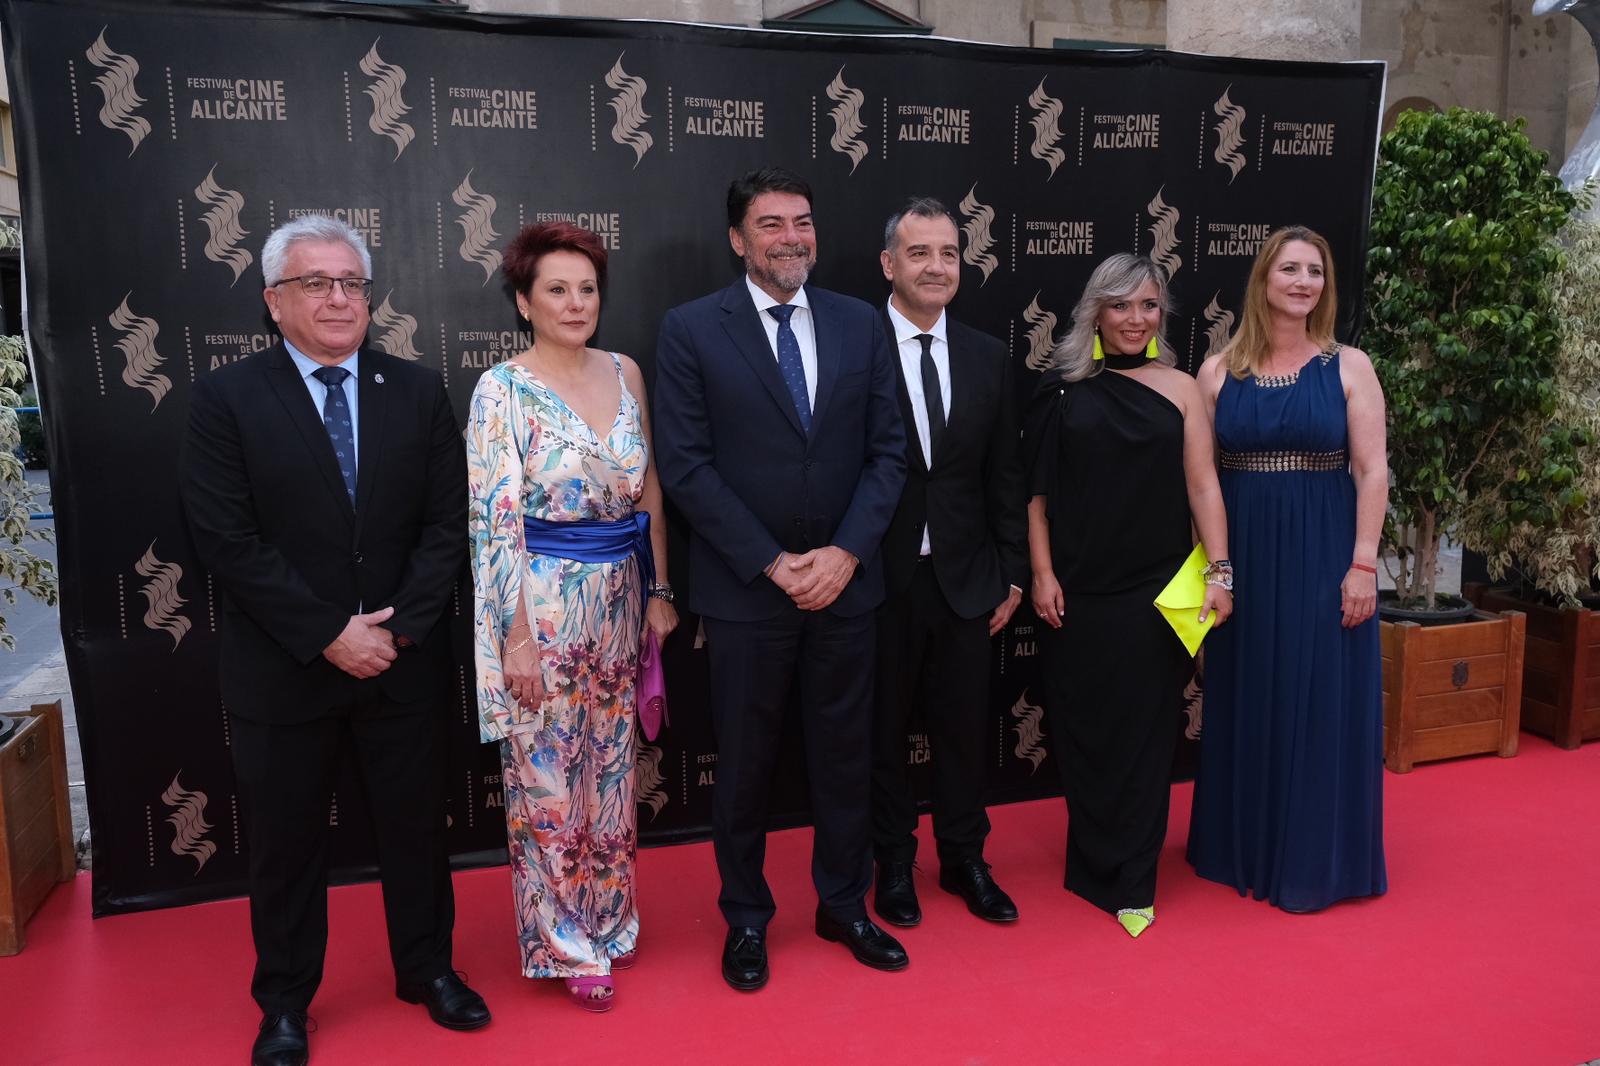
1288, 799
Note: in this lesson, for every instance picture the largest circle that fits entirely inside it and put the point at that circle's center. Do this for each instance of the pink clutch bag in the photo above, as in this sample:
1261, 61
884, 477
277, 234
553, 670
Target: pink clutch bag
652, 691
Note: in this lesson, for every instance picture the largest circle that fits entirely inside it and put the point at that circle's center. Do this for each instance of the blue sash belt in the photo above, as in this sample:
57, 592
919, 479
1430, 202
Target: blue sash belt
591, 540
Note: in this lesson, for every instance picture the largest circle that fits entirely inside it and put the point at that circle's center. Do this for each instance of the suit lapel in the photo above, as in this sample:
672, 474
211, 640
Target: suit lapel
285, 380
750, 338
907, 415
962, 381
829, 334
372, 402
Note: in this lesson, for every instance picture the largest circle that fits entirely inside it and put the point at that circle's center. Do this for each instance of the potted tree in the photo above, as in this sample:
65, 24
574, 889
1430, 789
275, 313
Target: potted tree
1542, 526
1462, 334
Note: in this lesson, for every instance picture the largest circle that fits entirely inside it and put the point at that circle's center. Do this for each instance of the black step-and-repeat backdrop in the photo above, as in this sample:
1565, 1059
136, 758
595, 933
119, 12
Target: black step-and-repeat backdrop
160, 143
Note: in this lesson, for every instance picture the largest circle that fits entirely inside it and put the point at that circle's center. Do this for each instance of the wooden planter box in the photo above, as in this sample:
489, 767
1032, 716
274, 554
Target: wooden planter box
1560, 669
1451, 690
35, 820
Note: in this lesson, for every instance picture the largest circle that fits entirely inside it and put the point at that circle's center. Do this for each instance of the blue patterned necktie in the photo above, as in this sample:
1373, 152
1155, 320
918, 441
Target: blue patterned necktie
336, 416
790, 364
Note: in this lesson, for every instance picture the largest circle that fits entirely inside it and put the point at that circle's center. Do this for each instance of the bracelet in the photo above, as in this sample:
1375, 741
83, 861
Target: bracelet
662, 591
1221, 581
1365, 569
518, 647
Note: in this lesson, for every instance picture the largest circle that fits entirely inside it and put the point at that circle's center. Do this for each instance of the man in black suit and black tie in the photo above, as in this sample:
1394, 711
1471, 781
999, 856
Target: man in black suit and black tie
779, 438
955, 560
325, 484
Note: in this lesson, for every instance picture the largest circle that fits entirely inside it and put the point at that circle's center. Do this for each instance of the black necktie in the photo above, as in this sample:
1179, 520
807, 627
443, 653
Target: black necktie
336, 416
931, 396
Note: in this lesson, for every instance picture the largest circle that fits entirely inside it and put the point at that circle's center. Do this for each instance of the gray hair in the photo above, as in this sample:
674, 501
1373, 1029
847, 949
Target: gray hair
1111, 281
275, 253
920, 206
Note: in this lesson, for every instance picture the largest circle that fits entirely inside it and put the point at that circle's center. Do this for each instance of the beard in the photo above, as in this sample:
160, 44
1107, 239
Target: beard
785, 275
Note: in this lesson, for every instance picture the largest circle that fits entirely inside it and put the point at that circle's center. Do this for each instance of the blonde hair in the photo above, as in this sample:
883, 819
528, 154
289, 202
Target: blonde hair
1252, 343
1114, 279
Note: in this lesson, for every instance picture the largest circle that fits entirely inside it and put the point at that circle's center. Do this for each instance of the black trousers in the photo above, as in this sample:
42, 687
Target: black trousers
286, 776
753, 666
924, 646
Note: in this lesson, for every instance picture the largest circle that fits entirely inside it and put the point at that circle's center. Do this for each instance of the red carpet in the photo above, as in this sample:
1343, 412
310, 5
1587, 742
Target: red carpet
1486, 950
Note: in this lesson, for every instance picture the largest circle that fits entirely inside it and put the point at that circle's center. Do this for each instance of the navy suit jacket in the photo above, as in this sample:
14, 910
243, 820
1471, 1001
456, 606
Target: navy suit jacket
733, 457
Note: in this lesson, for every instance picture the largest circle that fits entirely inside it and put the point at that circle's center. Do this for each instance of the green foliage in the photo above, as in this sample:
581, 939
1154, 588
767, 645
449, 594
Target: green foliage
20, 569
1461, 330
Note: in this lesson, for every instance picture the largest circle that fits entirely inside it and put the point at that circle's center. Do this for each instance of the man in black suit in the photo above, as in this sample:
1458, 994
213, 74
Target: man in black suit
955, 559
325, 484
779, 438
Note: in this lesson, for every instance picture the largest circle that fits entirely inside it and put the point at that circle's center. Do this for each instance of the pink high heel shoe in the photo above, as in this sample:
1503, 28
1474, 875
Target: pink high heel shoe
582, 992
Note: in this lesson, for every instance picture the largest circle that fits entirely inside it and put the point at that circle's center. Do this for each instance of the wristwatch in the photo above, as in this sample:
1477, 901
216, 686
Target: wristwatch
662, 591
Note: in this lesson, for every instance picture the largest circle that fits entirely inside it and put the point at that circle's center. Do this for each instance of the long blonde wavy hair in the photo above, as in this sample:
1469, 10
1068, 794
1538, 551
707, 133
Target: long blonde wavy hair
1252, 342
1114, 279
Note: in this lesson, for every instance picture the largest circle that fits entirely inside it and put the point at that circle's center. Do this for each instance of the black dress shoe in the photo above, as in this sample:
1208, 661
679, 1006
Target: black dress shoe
449, 1001
744, 958
281, 1041
870, 945
896, 897
970, 880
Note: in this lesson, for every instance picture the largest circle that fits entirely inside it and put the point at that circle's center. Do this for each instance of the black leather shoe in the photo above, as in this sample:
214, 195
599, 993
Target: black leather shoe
281, 1041
870, 945
744, 958
896, 897
971, 881
449, 1001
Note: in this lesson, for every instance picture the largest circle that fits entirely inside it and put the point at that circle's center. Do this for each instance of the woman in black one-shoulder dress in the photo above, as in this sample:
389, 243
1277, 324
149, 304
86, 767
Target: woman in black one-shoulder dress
1120, 454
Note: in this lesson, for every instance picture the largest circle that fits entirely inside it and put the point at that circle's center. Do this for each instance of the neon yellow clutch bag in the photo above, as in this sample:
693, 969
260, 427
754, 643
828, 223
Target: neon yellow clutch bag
1180, 602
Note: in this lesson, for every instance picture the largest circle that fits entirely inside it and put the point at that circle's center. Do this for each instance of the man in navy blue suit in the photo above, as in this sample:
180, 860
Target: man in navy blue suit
779, 435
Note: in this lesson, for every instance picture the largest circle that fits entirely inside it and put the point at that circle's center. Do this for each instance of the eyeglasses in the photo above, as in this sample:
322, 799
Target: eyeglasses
318, 287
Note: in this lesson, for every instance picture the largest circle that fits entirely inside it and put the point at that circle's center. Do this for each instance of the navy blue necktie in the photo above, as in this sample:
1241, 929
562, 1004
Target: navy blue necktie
336, 416
790, 364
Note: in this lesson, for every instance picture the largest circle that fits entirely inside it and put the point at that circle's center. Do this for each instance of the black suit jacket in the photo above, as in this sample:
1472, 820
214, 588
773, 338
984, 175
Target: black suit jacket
733, 457
972, 498
293, 560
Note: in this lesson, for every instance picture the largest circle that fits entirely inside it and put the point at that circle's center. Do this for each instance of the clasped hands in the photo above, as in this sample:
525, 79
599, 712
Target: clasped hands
365, 648
815, 579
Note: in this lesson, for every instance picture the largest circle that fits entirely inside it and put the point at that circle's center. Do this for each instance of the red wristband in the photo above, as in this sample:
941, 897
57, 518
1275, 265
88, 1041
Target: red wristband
1365, 569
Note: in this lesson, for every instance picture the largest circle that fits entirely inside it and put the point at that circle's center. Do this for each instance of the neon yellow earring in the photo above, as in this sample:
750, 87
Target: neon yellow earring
1099, 352
1152, 350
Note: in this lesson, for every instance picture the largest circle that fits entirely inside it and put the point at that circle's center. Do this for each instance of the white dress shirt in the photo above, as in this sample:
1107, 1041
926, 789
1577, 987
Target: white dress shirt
319, 392
905, 339
805, 332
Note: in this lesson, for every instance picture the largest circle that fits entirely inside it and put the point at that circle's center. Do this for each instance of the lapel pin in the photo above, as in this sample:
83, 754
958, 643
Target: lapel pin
377, 379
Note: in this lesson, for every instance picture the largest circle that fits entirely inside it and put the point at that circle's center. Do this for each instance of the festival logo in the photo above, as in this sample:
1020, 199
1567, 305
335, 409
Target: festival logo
188, 821
648, 780
480, 349
228, 99
933, 125
1058, 237
1220, 326
1030, 730
1041, 334
1238, 239
1140, 130
1230, 134
138, 348
477, 227
847, 124
162, 602
629, 107
367, 221
1302, 139
1194, 698
222, 220
712, 117
117, 89
1046, 124
1164, 234
388, 105
220, 349
607, 225
398, 334
979, 217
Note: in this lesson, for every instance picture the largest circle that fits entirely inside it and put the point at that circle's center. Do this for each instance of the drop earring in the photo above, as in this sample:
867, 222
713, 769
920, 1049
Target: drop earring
1099, 351
1152, 350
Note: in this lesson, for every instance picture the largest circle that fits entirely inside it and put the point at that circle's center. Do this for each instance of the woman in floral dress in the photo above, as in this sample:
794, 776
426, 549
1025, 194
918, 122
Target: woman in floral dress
565, 524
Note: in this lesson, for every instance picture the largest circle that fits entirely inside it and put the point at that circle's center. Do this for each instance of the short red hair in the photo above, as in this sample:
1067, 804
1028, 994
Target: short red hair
521, 262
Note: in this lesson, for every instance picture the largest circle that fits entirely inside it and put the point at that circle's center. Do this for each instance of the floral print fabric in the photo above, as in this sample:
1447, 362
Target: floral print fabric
568, 764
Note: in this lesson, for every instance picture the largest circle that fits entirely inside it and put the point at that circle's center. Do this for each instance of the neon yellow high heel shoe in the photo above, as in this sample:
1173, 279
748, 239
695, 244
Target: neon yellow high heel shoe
1136, 919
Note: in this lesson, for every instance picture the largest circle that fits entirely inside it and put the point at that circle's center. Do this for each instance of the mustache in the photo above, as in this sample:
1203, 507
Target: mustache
788, 249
